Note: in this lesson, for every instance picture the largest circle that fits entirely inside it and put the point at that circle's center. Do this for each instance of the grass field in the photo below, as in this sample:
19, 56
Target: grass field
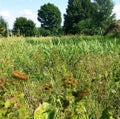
79, 76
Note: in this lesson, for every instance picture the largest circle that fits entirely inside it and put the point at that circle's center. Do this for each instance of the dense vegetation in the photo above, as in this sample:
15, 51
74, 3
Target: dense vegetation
82, 17
114, 29
65, 77
50, 17
88, 17
78, 76
24, 27
3, 27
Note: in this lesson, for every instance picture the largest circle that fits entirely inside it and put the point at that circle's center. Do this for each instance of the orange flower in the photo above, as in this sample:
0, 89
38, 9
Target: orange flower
19, 75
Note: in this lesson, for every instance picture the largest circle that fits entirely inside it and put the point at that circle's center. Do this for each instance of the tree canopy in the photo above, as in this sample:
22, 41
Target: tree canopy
77, 10
103, 15
113, 29
24, 27
50, 17
86, 17
82, 17
3, 27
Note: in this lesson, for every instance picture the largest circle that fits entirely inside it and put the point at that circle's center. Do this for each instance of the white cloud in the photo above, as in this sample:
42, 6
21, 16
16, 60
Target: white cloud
116, 10
26, 12
8, 17
29, 15
5, 13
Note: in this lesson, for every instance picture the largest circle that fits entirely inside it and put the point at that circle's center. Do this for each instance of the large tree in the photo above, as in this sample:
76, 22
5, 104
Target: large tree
3, 27
50, 17
86, 17
77, 10
103, 15
24, 27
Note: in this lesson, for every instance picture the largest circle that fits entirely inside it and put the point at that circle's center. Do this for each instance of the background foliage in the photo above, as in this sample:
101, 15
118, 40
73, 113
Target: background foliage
87, 16
50, 17
23, 27
82, 17
3, 27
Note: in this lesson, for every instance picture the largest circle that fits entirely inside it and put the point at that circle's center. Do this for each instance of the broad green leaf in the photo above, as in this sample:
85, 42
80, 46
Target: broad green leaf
45, 111
7, 104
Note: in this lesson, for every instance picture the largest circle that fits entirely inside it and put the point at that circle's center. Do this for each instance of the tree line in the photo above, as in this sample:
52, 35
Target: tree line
82, 17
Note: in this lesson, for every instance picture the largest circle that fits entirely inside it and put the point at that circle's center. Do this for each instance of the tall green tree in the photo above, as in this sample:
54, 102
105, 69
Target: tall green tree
103, 15
86, 17
3, 27
77, 11
50, 17
23, 27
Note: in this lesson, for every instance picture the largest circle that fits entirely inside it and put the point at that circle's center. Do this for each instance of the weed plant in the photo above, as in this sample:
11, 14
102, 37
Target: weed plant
78, 75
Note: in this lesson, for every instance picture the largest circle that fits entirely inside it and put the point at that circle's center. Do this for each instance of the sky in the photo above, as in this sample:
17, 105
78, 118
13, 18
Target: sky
12, 9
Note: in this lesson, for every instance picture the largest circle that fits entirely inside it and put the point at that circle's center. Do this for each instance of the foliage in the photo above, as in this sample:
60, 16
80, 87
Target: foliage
23, 27
113, 29
106, 114
88, 17
84, 27
50, 17
103, 15
14, 107
78, 76
43, 32
3, 27
44, 111
77, 10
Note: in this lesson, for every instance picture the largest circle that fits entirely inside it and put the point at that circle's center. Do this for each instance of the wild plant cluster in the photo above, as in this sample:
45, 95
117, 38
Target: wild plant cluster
79, 76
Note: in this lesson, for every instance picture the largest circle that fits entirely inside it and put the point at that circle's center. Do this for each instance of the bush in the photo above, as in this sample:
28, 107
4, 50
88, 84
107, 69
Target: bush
46, 32
3, 27
114, 29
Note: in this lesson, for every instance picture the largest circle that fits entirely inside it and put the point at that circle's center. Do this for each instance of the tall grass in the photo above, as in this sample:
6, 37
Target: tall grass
72, 65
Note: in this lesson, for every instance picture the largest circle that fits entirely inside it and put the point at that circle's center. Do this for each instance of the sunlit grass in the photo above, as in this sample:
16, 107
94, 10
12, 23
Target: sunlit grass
60, 70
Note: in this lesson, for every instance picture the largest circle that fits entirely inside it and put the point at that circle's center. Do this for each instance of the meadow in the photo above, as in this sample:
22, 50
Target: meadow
79, 76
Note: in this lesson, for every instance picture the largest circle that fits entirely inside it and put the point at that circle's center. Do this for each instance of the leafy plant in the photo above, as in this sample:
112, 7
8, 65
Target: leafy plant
44, 111
76, 77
